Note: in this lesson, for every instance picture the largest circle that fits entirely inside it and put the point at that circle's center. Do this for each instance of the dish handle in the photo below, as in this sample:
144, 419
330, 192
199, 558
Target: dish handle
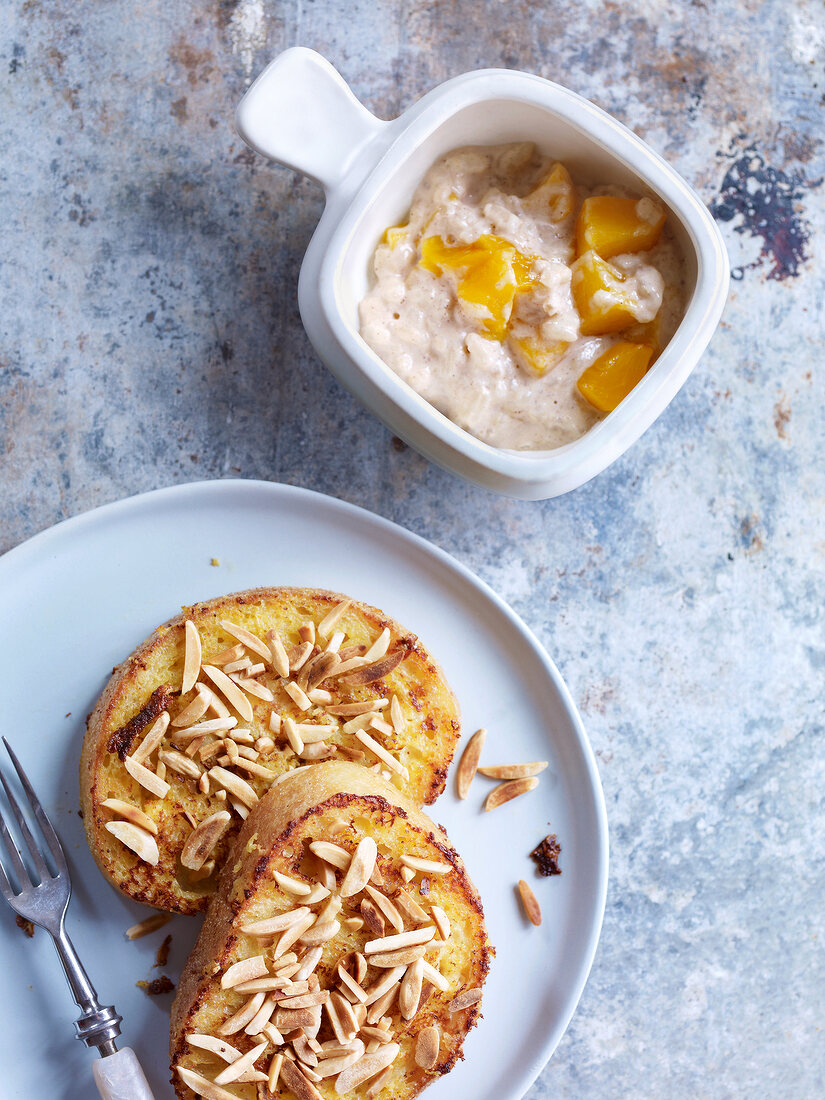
301, 113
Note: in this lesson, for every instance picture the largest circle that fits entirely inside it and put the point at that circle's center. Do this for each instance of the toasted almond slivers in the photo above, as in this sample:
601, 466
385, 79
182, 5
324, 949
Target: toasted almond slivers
216, 704
245, 1062
152, 739
145, 927
464, 1000
143, 844
311, 733
468, 765
278, 923
299, 1085
329, 1067
244, 971
360, 868
191, 657
514, 771
287, 1019
227, 656
347, 665
331, 619
426, 1047
442, 921
379, 647
379, 1082
274, 1071
410, 992
382, 754
368, 1066
180, 763
532, 909
320, 697
195, 709
279, 657
254, 768
147, 779
335, 642
403, 956
331, 853
305, 1000
353, 924
292, 885
230, 691
130, 813
235, 786
297, 695
214, 1046
352, 985
397, 715
245, 1013
201, 1087
306, 631
435, 977
386, 907
410, 907
353, 710
322, 666
262, 1016
505, 792
211, 725
252, 687
248, 639
321, 933
296, 742
425, 866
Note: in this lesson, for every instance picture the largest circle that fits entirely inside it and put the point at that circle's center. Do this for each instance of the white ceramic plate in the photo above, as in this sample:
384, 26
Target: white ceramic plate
76, 599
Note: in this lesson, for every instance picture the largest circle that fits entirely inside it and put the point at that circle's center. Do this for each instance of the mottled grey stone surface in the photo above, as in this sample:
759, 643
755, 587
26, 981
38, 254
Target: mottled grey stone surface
150, 336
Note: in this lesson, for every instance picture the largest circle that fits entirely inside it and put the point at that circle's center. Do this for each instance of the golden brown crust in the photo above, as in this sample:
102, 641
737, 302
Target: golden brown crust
127, 706
273, 837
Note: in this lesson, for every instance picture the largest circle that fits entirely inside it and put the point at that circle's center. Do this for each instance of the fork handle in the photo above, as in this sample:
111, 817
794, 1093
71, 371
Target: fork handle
120, 1077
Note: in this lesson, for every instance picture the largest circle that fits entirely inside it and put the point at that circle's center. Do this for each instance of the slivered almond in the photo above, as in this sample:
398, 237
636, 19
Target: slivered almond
216, 704
345, 666
532, 909
194, 711
264, 745
274, 1071
386, 907
306, 1055
468, 765
242, 736
397, 715
296, 742
274, 722
245, 1013
331, 853
412, 938
360, 868
308, 963
130, 813
235, 786
191, 657
351, 710
297, 1083
292, 885
442, 921
514, 771
379, 1083
320, 697
287, 1019
227, 656
426, 1047
254, 768
410, 991
297, 695
248, 639
505, 792
240, 809
404, 956
382, 754
203, 838
332, 618
355, 1076
353, 924
152, 739
214, 1046
322, 666
376, 671
252, 687
211, 725
384, 984
150, 924
262, 1016
230, 691
180, 763
201, 1087
319, 751
425, 866
329, 1067
147, 779
377, 723
244, 971
311, 733
316, 894
292, 934
410, 907
305, 1000
464, 1000
435, 977
280, 659
306, 631
321, 933
352, 985
143, 844
331, 909
299, 655
278, 923
245, 1062
335, 642
272, 983
379, 647
407, 874
373, 918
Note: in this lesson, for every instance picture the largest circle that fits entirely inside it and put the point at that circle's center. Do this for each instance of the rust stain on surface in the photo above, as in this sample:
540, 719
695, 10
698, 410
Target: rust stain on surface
781, 416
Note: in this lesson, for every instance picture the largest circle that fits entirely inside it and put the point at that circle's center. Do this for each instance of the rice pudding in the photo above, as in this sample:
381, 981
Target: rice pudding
523, 305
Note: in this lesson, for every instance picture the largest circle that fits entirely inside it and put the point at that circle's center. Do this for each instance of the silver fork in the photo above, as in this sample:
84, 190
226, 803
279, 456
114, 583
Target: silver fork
118, 1075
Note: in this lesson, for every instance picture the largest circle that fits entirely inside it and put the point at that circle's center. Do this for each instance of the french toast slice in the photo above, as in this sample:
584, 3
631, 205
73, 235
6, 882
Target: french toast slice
344, 937
207, 713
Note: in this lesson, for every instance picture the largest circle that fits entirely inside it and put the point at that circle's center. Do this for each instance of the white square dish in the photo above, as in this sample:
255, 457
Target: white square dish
301, 113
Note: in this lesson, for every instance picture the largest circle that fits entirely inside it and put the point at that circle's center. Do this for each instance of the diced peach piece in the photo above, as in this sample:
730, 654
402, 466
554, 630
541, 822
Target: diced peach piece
491, 271
645, 332
536, 356
611, 226
555, 194
604, 302
394, 235
608, 380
